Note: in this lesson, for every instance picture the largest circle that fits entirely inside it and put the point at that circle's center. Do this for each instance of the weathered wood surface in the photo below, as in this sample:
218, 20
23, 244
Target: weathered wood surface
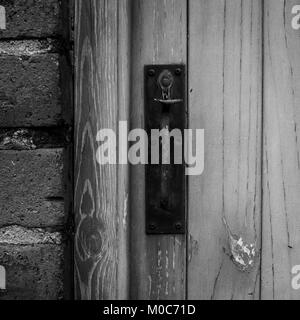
225, 83
225, 99
101, 192
157, 262
124, 72
281, 187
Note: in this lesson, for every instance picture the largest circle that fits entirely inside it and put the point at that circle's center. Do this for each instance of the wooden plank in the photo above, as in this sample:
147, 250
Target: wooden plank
124, 64
281, 219
225, 99
157, 262
101, 192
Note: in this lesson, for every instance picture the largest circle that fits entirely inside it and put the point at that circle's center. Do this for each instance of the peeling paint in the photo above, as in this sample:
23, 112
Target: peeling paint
159, 270
16, 235
125, 211
167, 274
243, 254
174, 258
193, 248
150, 286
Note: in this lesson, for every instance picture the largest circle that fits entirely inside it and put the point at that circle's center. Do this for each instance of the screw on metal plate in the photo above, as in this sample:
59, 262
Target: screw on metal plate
178, 226
151, 72
152, 226
178, 71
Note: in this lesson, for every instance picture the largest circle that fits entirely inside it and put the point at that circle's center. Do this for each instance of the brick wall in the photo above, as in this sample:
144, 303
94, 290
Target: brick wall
35, 149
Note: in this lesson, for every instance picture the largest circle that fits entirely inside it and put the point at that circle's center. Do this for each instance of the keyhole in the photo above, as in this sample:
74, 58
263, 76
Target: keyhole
165, 81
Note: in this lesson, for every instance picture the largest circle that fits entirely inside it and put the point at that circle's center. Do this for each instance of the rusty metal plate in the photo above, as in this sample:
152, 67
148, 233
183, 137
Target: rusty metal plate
165, 108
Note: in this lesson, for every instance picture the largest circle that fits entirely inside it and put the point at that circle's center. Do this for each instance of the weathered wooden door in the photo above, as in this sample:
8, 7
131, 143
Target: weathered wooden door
243, 89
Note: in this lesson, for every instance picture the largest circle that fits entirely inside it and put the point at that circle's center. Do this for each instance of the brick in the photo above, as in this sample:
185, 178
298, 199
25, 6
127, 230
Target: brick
30, 92
33, 272
31, 188
31, 18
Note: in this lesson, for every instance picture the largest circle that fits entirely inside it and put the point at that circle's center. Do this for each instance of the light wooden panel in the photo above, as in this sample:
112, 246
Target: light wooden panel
281, 218
225, 80
101, 192
157, 262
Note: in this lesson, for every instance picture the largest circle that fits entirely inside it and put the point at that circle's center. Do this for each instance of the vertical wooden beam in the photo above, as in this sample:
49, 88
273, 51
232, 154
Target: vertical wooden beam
281, 218
157, 262
124, 68
225, 99
101, 192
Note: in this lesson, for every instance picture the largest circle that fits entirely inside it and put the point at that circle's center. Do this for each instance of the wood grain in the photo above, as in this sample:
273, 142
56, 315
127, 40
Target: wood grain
281, 185
157, 262
225, 76
124, 64
101, 192
226, 57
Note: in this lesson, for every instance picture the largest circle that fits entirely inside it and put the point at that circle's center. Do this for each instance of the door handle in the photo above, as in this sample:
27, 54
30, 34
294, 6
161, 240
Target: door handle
165, 182
168, 102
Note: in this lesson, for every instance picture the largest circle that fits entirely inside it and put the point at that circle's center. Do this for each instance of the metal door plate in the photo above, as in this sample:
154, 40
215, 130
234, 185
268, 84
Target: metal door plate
165, 184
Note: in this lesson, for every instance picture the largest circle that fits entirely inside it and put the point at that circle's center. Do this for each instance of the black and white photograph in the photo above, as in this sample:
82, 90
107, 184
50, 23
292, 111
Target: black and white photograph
149, 153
